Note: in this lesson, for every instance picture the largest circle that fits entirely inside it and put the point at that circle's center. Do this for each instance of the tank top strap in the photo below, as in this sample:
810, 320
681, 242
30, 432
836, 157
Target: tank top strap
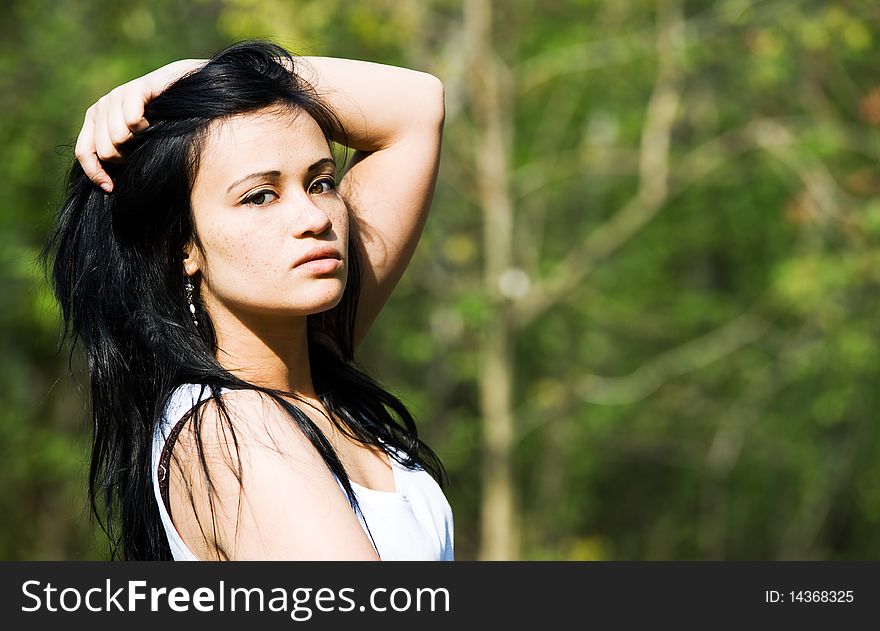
183, 410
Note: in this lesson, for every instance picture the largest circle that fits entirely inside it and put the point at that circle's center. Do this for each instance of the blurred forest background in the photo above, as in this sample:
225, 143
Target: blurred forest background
643, 321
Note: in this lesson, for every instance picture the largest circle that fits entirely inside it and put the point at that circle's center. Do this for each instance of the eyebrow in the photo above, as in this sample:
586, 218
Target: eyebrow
276, 174
272, 174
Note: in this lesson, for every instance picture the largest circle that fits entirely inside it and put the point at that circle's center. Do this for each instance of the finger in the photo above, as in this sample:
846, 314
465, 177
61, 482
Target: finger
103, 142
117, 128
85, 154
85, 141
133, 112
95, 172
99, 177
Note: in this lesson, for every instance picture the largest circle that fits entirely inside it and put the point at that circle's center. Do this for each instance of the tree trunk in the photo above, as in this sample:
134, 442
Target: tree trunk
499, 532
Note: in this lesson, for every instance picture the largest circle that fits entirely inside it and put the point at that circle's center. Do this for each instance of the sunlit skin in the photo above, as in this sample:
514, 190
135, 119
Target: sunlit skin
265, 194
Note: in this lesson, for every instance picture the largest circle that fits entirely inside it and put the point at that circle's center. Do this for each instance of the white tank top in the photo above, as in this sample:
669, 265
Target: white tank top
412, 524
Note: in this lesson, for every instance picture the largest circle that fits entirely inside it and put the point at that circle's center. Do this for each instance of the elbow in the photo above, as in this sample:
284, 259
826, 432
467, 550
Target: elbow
433, 105
440, 100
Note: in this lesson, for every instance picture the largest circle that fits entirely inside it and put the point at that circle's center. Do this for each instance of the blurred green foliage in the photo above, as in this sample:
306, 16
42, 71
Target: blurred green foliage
709, 390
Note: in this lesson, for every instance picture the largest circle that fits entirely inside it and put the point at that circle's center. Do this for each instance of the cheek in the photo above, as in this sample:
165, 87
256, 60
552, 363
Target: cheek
342, 223
237, 252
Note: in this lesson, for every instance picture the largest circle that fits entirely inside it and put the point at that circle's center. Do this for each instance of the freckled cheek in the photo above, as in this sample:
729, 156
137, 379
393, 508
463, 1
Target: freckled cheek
342, 224
247, 251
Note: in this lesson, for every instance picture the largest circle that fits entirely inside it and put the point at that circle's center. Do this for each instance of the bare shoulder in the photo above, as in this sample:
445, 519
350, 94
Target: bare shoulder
247, 483
246, 418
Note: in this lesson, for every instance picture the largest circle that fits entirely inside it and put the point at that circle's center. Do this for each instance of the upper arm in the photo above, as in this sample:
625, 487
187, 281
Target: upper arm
389, 192
287, 504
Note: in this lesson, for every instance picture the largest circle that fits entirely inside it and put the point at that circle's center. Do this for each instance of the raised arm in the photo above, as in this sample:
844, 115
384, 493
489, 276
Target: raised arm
393, 118
394, 121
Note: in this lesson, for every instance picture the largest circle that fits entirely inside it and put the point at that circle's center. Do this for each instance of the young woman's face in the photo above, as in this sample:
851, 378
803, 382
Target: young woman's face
264, 199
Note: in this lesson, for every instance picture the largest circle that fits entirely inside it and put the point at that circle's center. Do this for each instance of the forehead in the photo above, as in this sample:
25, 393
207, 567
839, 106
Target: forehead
279, 138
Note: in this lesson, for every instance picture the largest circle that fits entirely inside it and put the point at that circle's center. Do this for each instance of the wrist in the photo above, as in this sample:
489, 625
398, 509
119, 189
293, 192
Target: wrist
162, 77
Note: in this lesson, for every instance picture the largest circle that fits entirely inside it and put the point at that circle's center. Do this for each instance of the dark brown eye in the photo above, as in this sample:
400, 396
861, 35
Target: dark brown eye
260, 198
323, 185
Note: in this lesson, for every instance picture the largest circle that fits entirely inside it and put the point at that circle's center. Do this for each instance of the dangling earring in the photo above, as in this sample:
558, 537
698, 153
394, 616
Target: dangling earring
189, 289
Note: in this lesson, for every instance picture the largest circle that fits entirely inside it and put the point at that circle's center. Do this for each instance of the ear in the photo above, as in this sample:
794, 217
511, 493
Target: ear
192, 262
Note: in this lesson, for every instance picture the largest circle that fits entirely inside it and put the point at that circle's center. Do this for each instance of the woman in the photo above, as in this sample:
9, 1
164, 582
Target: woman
219, 275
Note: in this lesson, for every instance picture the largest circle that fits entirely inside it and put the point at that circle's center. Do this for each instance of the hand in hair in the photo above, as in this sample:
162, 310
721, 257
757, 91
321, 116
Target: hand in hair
117, 116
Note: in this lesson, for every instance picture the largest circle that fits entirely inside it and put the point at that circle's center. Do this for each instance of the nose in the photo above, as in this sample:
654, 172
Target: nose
311, 219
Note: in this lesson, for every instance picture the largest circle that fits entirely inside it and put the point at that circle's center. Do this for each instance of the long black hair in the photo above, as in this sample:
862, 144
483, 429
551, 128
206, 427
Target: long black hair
116, 268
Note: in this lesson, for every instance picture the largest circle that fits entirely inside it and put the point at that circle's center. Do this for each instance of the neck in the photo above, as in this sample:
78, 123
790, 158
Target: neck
267, 351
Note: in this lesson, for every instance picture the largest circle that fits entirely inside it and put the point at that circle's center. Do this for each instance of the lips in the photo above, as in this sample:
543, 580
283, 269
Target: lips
323, 252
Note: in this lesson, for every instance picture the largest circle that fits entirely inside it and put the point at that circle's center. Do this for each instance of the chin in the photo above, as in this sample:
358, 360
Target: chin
323, 303
291, 299
325, 306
